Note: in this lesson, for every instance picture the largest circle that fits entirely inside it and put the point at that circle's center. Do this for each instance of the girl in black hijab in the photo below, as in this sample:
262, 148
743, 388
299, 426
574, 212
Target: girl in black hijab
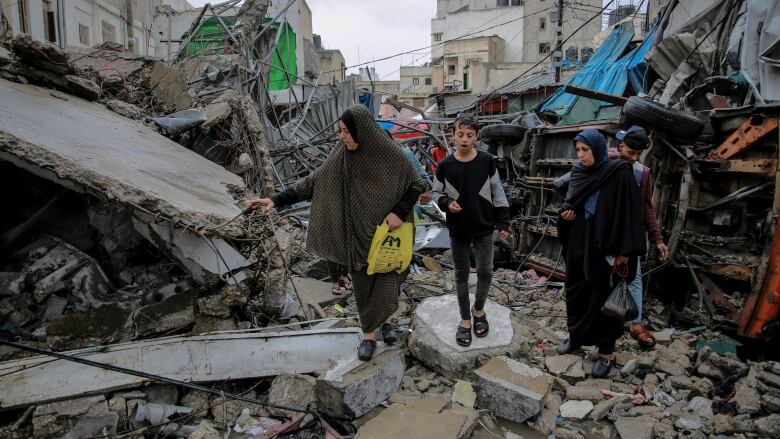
600, 226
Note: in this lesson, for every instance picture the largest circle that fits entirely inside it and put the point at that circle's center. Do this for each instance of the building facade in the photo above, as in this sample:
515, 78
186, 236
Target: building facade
86, 23
333, 67
524, 28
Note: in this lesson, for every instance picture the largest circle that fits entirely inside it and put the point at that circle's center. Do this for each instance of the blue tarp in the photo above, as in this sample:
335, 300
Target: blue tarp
608, 71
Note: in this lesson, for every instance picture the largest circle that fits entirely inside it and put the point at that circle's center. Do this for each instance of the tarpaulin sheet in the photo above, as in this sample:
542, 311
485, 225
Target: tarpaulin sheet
593, 75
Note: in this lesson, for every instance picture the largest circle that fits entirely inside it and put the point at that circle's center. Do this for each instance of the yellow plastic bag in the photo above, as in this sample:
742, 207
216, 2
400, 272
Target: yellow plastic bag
391, 251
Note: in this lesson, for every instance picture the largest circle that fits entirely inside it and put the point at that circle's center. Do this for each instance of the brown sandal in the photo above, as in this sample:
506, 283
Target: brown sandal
642, 335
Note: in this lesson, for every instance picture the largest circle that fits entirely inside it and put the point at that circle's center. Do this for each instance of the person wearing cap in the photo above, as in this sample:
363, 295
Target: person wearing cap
633, 142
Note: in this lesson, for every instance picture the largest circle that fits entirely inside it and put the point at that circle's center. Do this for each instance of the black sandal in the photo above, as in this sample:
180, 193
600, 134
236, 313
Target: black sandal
388, 334
481, 326
463, 336
366, 349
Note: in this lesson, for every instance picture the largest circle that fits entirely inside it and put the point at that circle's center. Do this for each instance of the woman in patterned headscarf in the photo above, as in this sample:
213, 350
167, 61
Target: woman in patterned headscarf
365, 182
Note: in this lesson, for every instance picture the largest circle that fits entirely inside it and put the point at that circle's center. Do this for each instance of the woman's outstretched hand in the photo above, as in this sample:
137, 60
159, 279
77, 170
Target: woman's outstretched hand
568, 215
265, 203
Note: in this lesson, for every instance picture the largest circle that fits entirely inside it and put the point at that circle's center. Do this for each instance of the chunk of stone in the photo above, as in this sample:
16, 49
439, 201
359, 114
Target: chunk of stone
635, 428
401, 421
547, 418
215, 114
768, 426
433, 339
687, 424
83, 87
169, 86
423, 385
700, 406
463, 393
576, 409
291, 390
670, 367
510, 389
726, 363
212, 306
40, 54
664, 430
702, 387
722, 424
566, 365
103, 325
58, 418
748, 400
770, 378
175, 312
129, 111
771, 403
603, 408
584, 393
630, 367
198, 401
91, 426
208, 324
205, 431
352, 388
706, 369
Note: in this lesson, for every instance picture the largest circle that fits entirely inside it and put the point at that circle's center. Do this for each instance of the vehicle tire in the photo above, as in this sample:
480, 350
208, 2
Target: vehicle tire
675, 124
503, 132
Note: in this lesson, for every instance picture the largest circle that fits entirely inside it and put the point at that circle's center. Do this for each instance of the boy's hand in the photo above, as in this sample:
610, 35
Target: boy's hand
504, 234
265, 203
568, 215
455, 207
621, 260
393, 221
664, 250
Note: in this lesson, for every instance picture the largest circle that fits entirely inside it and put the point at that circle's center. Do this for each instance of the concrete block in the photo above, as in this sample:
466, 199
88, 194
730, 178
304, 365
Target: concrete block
463, 393
408, 421
433, 337
352, 388
640, 427
510, 389
567, 365
175, 312
576, 409
291, 390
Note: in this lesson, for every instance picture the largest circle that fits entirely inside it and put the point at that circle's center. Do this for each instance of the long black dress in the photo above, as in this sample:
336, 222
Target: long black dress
615, 229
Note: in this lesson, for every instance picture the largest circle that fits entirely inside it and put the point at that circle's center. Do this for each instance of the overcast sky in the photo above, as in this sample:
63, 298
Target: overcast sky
365, 30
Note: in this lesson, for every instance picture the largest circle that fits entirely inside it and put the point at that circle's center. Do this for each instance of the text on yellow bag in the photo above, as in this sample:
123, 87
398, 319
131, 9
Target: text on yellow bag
391, 251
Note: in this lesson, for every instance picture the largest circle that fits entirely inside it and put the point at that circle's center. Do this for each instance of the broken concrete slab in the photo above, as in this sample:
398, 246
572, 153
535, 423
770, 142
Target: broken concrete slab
57, 419
123, 108
352, 388
291, 390
569, 366
463, 393
82, 87
433, 337
314, 291
640, 427
216, 113
103, 325
169, 86
423, 419
40, 54
510, 389
175, 312
69, 144
209, 260
576, 409
217, 357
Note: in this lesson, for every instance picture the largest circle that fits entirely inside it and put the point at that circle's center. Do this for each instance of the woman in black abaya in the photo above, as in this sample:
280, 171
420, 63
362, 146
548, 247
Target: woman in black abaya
600, 227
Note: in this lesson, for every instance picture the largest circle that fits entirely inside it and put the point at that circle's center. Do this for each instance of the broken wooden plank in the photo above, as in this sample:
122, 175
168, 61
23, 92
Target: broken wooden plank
593, 94
206, 358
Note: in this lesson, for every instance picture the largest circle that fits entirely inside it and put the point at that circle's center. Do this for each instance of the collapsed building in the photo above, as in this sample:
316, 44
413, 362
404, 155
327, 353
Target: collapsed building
157, 306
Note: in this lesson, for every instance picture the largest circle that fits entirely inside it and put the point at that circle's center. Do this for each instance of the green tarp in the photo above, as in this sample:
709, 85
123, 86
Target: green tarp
284, 67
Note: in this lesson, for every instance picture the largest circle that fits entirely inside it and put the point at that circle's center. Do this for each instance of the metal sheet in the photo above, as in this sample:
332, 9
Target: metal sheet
206, 358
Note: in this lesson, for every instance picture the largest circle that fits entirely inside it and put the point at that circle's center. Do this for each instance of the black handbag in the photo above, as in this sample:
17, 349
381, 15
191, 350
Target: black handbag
620, 304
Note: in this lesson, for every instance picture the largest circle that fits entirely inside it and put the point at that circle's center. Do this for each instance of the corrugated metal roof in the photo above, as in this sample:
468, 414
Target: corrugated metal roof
535, 80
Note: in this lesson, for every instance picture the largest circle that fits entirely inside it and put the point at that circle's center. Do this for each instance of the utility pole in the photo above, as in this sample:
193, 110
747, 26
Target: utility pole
558, 55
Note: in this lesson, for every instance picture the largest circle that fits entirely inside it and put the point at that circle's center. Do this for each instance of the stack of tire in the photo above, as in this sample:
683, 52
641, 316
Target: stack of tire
670, 123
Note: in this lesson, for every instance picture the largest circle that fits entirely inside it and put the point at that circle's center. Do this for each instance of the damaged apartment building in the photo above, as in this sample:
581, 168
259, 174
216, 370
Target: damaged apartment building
140, 299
